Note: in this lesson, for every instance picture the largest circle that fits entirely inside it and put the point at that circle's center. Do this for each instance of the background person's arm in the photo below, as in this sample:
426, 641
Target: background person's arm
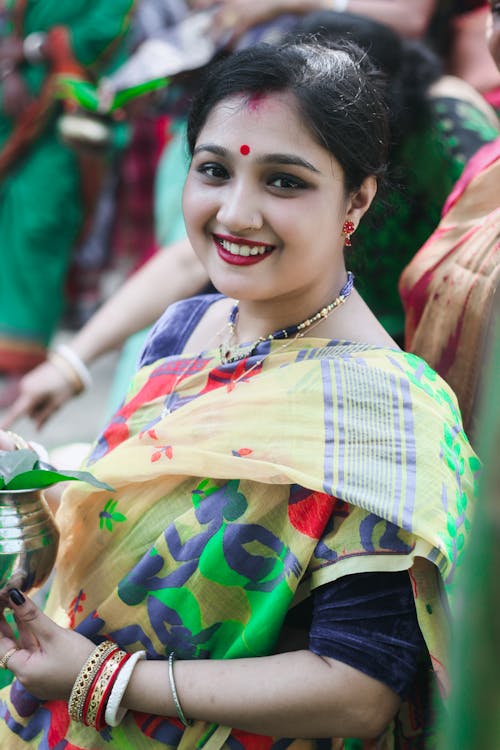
172, 274
238, 16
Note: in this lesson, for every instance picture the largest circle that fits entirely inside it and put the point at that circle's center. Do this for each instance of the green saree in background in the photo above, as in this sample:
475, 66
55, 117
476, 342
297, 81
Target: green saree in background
41, 200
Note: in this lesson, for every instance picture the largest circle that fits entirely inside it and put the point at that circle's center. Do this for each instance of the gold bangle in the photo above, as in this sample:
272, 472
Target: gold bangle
108, 672
84, 680
64, 367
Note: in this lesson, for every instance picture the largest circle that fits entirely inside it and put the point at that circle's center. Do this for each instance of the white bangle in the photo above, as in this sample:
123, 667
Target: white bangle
76, 363
33, 45
339, 6
114, 714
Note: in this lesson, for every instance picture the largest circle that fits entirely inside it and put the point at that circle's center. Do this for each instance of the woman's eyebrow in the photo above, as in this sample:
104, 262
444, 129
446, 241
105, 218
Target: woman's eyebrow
290, 159
286, 159
212, 148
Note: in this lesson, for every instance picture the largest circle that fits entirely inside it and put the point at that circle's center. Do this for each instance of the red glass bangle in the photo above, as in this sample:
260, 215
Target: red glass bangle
100, 722
93, 684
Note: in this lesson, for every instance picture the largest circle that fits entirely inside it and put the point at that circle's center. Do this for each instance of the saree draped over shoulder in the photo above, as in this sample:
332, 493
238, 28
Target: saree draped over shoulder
448, 289
237, 490
44, 184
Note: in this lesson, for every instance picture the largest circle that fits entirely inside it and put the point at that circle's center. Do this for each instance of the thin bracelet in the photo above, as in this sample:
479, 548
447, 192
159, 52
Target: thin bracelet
114, 714
177, 704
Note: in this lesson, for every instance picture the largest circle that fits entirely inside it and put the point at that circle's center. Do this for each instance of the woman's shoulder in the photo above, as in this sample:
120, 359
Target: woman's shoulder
175, 326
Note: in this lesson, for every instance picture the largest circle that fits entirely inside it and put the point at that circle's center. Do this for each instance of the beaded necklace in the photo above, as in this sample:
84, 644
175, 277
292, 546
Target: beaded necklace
290, 334
233, 353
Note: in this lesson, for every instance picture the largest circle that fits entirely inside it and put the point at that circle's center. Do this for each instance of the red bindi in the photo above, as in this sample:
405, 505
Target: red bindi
244, 150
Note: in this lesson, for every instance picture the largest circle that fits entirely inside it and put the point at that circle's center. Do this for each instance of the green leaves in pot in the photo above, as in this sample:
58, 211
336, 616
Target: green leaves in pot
23, 470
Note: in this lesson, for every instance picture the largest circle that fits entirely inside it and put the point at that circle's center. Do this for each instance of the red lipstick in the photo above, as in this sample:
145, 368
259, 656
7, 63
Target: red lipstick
240, 260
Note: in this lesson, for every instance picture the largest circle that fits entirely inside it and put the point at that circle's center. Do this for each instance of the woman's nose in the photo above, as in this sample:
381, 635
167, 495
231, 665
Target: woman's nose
239, 209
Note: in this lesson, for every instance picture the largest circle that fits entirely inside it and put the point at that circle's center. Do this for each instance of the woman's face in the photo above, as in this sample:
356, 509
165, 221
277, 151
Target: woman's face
265, 204
493, 33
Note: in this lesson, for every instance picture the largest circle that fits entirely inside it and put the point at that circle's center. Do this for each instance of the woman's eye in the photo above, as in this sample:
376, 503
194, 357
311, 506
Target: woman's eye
215, 171
286, 182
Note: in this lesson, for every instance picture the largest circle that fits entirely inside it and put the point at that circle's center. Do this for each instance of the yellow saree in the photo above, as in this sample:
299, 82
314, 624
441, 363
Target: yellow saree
270, 478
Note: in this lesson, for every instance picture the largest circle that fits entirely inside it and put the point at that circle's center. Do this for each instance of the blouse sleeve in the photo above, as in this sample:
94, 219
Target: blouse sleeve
368, 621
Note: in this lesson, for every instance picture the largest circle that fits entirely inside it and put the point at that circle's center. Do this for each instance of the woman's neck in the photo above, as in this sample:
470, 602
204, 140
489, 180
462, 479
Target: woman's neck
257, 319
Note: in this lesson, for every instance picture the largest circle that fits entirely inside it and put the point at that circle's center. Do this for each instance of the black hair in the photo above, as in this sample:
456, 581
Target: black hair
410, 66
339, 95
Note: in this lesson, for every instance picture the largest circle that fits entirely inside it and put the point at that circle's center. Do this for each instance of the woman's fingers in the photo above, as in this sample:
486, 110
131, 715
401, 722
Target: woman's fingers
7, 442
41, 392
4, 660
34, 626
48, 657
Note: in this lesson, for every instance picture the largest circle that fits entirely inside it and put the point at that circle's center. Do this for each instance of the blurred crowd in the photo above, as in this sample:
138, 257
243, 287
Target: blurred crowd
87, 190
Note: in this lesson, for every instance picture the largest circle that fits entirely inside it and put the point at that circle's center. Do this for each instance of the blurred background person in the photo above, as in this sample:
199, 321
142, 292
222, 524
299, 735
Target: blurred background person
437, 123
44, 184
450, 286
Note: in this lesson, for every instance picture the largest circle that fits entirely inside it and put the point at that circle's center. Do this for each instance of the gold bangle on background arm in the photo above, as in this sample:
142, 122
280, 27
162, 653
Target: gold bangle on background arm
67, 371
71, 366
76, 363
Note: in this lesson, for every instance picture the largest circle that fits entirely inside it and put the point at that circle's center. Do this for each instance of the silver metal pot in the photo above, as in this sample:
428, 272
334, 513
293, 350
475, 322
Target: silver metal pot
28, 539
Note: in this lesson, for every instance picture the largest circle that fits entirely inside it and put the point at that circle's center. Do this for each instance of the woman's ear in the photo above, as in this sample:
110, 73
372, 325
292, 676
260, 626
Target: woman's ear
360, 200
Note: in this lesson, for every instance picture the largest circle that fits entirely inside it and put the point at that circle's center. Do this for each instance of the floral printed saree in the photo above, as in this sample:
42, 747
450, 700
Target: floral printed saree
262, 480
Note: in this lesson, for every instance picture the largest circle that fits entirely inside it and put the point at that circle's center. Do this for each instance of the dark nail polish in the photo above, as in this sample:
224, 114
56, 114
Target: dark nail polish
16, 596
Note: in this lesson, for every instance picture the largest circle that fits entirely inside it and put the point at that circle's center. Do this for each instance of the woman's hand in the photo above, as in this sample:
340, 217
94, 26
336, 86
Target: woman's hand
41, 392
48, 658
7, 442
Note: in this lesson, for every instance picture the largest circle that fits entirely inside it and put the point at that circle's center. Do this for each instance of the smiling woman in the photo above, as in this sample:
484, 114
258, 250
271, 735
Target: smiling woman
291, 490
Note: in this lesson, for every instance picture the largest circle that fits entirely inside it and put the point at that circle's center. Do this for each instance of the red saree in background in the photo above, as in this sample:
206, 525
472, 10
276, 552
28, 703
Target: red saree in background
448, 289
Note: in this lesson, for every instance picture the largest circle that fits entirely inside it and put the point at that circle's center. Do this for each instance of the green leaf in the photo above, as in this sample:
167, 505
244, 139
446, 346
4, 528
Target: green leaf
41, 478
17, 462
21, 470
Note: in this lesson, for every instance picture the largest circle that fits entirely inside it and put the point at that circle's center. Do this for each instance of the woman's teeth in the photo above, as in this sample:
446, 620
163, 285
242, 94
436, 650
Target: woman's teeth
244, 250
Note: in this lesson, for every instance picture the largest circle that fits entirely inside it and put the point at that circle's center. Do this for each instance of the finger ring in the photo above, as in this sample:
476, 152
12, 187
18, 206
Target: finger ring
5, 658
